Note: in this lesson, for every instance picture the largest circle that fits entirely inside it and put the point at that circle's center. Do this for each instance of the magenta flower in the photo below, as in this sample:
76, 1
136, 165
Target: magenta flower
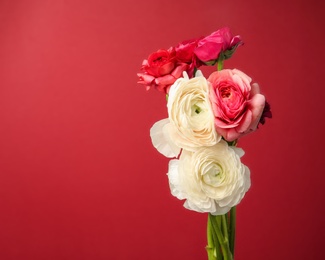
219, 42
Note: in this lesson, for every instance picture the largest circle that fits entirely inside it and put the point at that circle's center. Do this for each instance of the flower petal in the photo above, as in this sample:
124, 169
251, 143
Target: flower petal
174, 179
245, 122
159, 140
257, 103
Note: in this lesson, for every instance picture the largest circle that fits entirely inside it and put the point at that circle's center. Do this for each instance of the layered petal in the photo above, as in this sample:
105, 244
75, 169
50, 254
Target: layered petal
237, 104
161, 69
190, 113
210, 179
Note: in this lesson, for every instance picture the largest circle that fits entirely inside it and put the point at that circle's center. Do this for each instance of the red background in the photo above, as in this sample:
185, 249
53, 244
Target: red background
79, 178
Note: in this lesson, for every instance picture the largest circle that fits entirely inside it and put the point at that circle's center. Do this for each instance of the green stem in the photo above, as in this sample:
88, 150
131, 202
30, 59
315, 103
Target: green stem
211, 241
216, 225
213, 247
232, 230
219, 253
224, 226
220, 64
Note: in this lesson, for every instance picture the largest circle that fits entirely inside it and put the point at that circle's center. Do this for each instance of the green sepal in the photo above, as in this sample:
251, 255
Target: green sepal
228, 53
211, 62
232, 143
224, 55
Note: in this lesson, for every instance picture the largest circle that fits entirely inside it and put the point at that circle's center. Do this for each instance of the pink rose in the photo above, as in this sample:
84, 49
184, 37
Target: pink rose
161, 70
221, 41
237, 105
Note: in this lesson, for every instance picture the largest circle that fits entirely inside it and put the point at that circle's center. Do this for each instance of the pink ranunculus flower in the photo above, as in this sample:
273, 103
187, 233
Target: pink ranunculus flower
209, 48
161, 70
237, 104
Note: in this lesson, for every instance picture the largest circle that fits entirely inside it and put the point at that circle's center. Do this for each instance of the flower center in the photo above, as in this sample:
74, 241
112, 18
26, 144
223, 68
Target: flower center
226, 93
196, 109
160, 59
213, 175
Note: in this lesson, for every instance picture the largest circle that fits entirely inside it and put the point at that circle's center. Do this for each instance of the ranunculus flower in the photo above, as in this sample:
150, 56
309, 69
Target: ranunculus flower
185, 50
210, 179
237, 104
209, 48
190, 122
161, 70
185, 54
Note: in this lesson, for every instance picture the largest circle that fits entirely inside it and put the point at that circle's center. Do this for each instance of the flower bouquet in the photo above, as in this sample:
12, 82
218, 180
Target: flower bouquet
206, 117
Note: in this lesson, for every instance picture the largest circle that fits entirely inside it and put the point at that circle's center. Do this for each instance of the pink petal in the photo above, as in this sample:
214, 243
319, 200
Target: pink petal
245, 122
208, 51
145, 79
221, 124
257, 104
231, 135
178, 71
255, 89
165, 80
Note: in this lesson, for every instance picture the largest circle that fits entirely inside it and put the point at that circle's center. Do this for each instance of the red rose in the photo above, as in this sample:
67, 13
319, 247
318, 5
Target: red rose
160, 63
161, 70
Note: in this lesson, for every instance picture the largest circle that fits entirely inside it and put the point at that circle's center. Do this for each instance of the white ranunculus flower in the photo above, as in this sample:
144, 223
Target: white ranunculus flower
190, 122
211, 179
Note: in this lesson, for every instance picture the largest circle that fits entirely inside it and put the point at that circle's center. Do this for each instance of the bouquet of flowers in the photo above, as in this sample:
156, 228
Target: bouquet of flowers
206, 117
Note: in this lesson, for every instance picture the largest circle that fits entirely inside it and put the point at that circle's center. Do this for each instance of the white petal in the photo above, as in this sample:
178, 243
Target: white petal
191, 206
247, 178
159, 141
239, 151
168, 130
174, 179
220, 210
185, 75
199, 73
